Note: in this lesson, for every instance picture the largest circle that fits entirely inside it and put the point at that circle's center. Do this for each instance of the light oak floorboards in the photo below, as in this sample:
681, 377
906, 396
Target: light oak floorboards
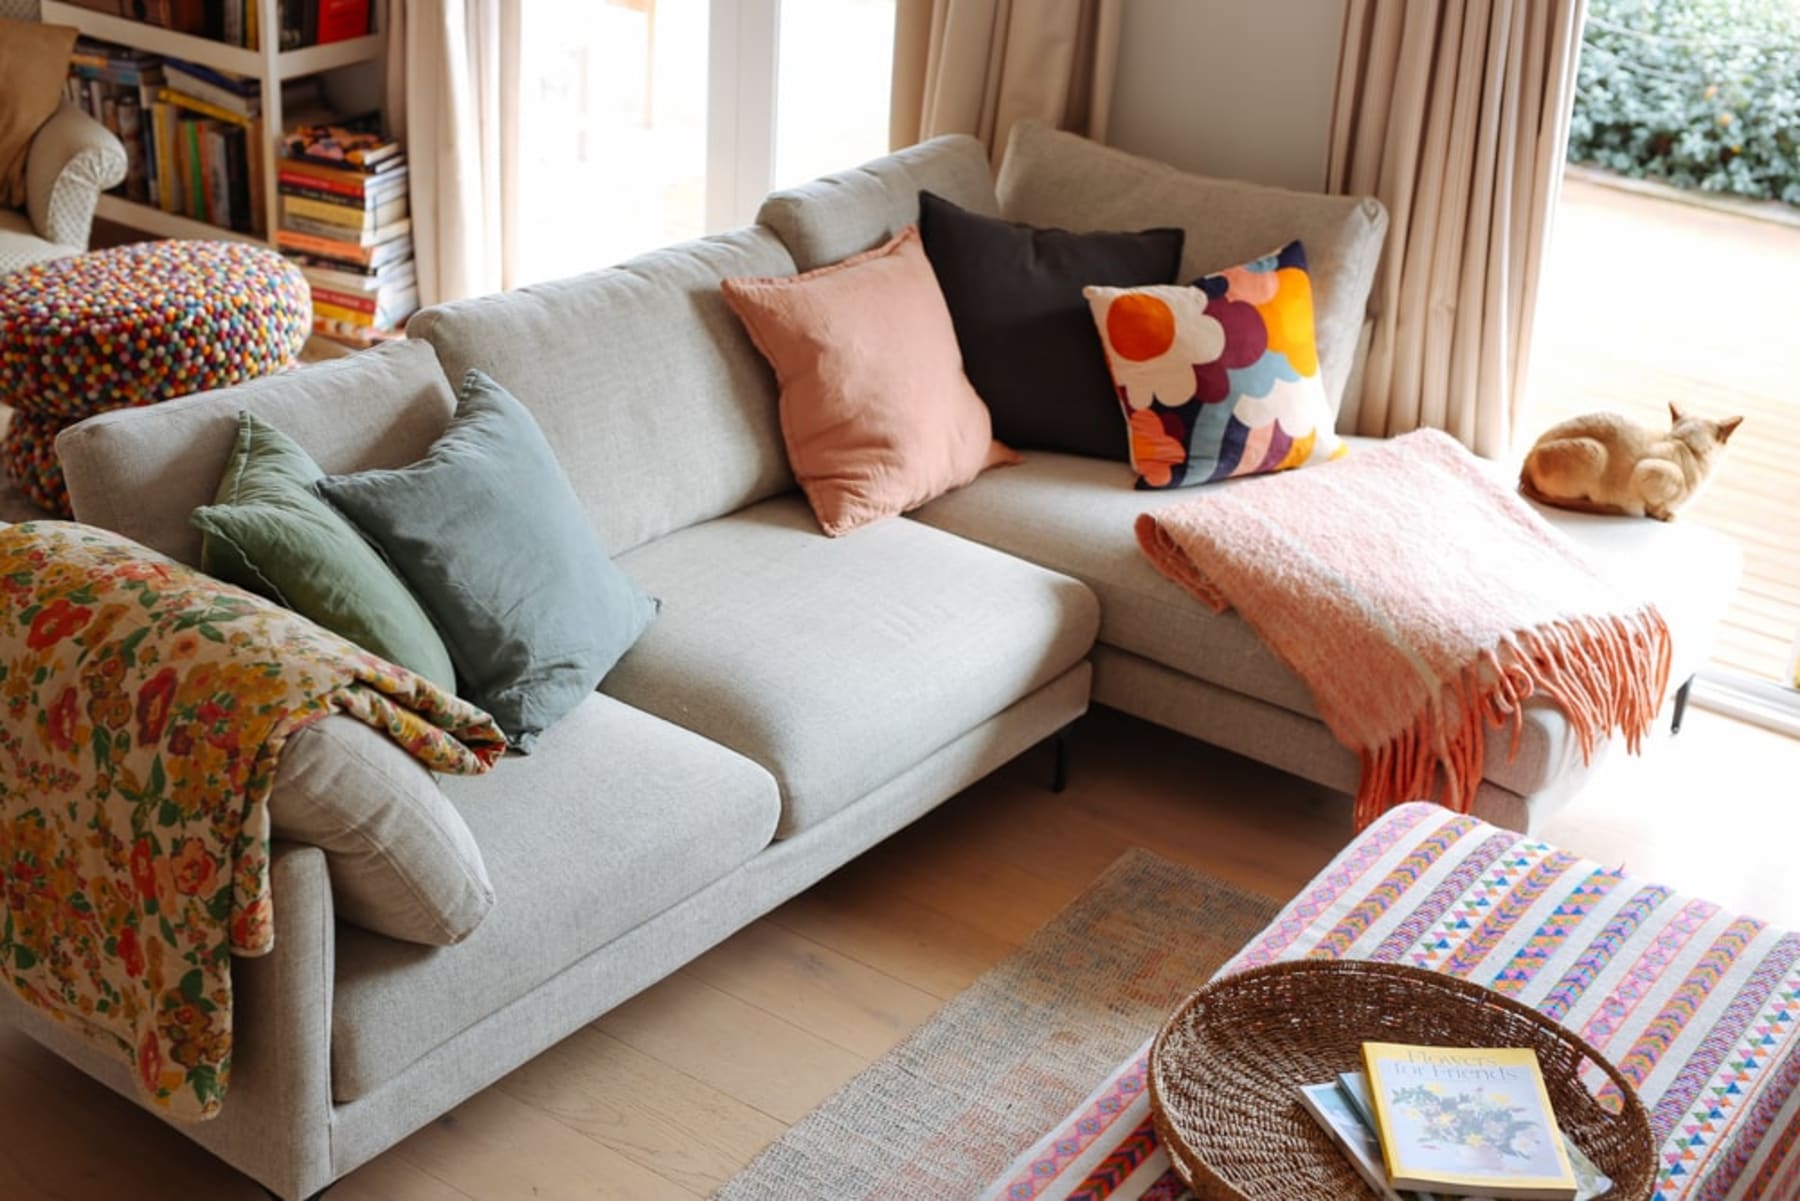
672, 1092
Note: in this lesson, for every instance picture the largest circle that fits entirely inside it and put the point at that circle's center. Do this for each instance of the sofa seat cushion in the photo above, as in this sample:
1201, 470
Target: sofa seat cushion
1075, 515
838, 663
616, 816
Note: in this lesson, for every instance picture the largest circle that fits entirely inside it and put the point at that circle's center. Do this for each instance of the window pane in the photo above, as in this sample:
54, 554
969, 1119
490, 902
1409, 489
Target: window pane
837, 61
612, 122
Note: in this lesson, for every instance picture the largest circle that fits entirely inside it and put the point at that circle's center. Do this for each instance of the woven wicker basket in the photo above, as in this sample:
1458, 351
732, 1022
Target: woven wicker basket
1226, 1068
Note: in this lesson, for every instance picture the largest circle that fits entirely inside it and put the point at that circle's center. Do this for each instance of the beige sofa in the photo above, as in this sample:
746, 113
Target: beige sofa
798, 699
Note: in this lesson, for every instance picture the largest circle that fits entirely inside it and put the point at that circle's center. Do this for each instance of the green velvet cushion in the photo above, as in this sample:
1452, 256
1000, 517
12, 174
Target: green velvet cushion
267, 531
488, 532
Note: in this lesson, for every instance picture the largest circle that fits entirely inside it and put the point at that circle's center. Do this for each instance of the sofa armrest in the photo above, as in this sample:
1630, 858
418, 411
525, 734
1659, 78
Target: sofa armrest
276, 1123
72, 160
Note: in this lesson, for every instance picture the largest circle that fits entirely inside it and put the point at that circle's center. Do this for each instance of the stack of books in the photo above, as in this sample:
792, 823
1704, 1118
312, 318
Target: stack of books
1424, 1123
344, 220
117, 86
193, 136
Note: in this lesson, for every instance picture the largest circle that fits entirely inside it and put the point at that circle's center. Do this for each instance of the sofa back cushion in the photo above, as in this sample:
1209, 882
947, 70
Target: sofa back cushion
144, 471
830, 219
658, 407
1053, 178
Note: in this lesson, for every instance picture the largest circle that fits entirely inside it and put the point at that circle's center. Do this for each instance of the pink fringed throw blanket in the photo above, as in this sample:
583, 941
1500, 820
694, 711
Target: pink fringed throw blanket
1421, 601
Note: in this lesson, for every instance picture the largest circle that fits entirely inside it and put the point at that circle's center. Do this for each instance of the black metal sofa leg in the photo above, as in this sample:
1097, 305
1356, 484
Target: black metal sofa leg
1681, 700
1059, 772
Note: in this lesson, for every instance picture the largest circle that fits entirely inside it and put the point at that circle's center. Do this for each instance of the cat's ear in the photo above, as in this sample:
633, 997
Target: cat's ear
1727, 426
1674, 414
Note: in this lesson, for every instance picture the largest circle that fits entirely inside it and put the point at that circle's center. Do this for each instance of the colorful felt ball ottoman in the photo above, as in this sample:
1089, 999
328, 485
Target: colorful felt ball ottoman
132, 326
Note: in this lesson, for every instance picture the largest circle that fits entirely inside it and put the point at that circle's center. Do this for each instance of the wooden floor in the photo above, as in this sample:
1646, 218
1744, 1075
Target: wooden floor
670, 1094
1647, 301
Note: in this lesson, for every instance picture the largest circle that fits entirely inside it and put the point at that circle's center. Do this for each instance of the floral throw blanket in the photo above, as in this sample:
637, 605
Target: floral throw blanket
145, 708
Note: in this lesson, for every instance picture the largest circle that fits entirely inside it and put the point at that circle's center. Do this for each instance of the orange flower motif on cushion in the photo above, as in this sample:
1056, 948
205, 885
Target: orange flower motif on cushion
1154, 452
56, 621
129, 952
154, 699
61, 718
1227, 367
194, 868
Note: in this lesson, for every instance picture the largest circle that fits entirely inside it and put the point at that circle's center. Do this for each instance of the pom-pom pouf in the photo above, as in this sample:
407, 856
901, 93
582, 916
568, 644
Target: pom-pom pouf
29, 452
134, 325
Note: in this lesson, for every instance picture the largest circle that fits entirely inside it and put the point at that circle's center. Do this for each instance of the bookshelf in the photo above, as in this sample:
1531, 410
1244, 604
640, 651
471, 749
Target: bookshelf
269, 65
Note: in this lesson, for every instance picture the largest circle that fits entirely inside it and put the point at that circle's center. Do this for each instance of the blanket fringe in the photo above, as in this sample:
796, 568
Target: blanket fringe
1605, 673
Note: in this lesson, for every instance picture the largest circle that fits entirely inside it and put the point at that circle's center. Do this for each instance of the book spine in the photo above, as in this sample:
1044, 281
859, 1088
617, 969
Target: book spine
195, 169
349, 301
222, 99
166, 173
326, 248
330, 212
343, 278
347, 316
313, 189
132, 75
197, 105
218, 165
131, 134
259, 192
237, 177
336, 20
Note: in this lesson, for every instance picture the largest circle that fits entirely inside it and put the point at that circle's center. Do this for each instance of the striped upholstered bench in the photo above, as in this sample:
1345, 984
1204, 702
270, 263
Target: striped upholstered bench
1698, 1007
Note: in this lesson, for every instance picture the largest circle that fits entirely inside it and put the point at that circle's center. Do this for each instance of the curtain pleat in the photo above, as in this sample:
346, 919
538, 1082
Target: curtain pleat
1455, 114
453, 87
978, 66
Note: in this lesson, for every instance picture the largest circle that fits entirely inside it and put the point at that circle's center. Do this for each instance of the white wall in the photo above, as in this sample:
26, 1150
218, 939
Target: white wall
1238, 88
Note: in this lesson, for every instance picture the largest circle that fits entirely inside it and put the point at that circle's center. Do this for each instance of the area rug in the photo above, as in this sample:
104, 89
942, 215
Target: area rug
948, 1109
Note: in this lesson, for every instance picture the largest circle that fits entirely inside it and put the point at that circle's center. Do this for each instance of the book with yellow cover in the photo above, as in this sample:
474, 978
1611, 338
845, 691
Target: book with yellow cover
1467, 1122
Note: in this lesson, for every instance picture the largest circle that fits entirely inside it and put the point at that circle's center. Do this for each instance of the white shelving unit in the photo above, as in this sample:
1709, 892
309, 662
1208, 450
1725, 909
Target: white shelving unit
268, 64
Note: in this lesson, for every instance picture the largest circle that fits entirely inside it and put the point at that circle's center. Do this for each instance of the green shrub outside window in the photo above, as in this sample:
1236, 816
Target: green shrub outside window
1696, 93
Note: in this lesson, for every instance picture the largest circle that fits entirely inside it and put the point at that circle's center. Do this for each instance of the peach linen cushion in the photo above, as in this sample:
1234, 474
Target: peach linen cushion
876, 412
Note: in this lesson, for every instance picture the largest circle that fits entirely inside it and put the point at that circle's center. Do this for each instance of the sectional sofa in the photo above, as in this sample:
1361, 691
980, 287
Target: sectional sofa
798, 699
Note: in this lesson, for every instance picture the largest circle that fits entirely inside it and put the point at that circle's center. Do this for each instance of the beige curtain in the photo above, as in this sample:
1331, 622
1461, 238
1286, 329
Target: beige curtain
1455, 113
453, 88
976, 66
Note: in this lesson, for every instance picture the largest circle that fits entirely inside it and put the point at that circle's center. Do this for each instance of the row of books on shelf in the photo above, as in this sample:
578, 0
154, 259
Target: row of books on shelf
345, 221
237, 22
1422, 1123
192, 135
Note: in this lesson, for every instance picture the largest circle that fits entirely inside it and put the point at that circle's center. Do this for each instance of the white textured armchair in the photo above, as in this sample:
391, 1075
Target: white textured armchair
72, 160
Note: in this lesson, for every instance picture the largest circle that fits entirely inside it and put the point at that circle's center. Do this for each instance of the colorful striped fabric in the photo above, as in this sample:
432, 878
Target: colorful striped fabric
1699, 1008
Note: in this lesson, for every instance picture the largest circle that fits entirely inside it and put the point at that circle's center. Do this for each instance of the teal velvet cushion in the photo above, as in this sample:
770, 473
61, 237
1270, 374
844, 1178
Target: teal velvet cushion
269, 533
487, 531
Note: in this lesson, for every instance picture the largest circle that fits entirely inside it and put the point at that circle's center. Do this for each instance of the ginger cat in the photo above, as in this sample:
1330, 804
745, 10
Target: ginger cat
1605, 463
